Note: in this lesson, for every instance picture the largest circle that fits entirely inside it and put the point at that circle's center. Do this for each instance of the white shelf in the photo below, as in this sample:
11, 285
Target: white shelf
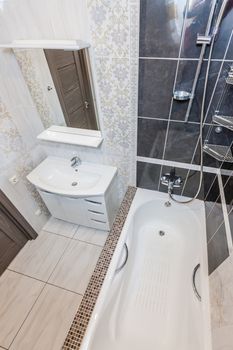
47, 44
219, 152
72, 136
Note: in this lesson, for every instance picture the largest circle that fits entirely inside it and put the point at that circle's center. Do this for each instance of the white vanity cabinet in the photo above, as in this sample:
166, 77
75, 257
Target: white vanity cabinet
86, 194
93, 211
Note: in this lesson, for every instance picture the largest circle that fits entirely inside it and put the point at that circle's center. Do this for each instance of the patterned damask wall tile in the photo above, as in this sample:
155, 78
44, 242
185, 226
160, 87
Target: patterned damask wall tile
22, 169
14, 154
115, 39
110, 27
113, 78
11, 143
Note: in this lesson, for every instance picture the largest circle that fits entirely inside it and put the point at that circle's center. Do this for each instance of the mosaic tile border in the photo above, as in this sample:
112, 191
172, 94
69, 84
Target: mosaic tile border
78, 328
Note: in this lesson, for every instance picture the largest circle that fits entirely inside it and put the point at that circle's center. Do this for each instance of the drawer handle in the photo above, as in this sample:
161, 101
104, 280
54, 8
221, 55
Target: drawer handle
95, 212
99, 221
94, 202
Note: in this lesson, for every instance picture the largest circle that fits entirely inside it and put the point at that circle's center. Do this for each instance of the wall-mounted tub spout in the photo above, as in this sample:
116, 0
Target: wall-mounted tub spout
171, 180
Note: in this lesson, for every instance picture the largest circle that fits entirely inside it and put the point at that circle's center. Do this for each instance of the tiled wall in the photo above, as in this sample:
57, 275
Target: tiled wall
19, 151
168, 60
113, 33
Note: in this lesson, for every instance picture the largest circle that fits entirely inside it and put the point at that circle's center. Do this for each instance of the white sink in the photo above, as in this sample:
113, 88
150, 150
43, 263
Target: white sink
56, 175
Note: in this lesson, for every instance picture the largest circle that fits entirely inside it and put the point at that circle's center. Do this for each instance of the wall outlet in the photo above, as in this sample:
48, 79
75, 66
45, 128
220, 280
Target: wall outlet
14, 180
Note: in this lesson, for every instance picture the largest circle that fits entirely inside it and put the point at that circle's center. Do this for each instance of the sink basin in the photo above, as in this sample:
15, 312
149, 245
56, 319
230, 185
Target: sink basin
56, 175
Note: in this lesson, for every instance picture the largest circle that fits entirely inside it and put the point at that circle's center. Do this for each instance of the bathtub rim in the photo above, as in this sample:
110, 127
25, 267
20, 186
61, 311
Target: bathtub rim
142, 197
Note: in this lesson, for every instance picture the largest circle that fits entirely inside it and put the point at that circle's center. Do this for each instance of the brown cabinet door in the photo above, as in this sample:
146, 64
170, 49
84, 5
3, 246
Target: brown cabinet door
11, 241
71, 81
14, 232
8, 250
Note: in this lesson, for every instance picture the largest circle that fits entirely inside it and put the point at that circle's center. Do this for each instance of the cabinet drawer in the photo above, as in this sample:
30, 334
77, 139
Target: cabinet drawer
99, 225
96, 204
97, 215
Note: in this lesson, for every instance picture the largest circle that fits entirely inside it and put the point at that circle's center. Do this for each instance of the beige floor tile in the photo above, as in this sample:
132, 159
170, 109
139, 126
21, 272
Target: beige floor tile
18, 293
91, 235
39, 257
49, 321
60, 227
75, 268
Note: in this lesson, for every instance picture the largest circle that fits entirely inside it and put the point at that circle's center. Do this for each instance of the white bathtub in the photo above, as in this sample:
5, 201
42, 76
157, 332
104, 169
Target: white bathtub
150, 304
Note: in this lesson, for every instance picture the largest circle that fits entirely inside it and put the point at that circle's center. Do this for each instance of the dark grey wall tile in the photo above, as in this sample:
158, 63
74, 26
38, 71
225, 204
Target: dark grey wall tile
224, 33
184, 82
148, 175
156, 79
185, 78
222, 94
214, 137
217, 249
211, 187
214, 219
229, 55
197, 17
160, 27
210, 161
192, 184
228, 191
151, 137
230, 216
181, 141
195, 113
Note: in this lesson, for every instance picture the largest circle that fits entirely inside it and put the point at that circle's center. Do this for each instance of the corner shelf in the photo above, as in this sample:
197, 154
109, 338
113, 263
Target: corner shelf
225, 121
221, 153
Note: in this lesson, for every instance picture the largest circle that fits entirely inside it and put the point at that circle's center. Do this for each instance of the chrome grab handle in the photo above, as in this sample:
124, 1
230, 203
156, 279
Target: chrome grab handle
125, 261
194, 282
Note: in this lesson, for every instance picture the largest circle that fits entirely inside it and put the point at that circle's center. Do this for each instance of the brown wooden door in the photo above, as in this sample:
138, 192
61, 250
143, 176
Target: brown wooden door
14, 232
70, 78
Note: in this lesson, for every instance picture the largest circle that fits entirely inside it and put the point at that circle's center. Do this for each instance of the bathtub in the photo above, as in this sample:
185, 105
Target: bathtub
150, 296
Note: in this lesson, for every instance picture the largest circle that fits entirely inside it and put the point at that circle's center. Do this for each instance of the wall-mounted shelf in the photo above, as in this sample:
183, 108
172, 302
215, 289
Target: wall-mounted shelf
223, 120
219, 152
72, 136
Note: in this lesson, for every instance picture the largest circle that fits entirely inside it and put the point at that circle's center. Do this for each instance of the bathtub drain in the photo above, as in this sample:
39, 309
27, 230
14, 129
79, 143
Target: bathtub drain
161, 233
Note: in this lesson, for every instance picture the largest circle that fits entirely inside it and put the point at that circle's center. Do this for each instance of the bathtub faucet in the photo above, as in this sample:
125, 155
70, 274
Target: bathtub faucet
171, 180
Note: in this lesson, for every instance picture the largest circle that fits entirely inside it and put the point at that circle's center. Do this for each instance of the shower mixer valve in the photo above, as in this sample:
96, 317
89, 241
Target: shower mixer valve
171, 180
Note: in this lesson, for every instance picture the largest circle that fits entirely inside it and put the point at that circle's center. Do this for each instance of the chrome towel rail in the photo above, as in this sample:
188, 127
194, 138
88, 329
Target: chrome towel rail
194, 282
125, 260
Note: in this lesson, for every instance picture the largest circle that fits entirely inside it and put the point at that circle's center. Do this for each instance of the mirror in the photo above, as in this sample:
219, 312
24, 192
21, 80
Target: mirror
61, 86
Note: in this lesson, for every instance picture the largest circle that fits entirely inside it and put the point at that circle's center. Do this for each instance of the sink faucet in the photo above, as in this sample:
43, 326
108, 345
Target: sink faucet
75, 161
